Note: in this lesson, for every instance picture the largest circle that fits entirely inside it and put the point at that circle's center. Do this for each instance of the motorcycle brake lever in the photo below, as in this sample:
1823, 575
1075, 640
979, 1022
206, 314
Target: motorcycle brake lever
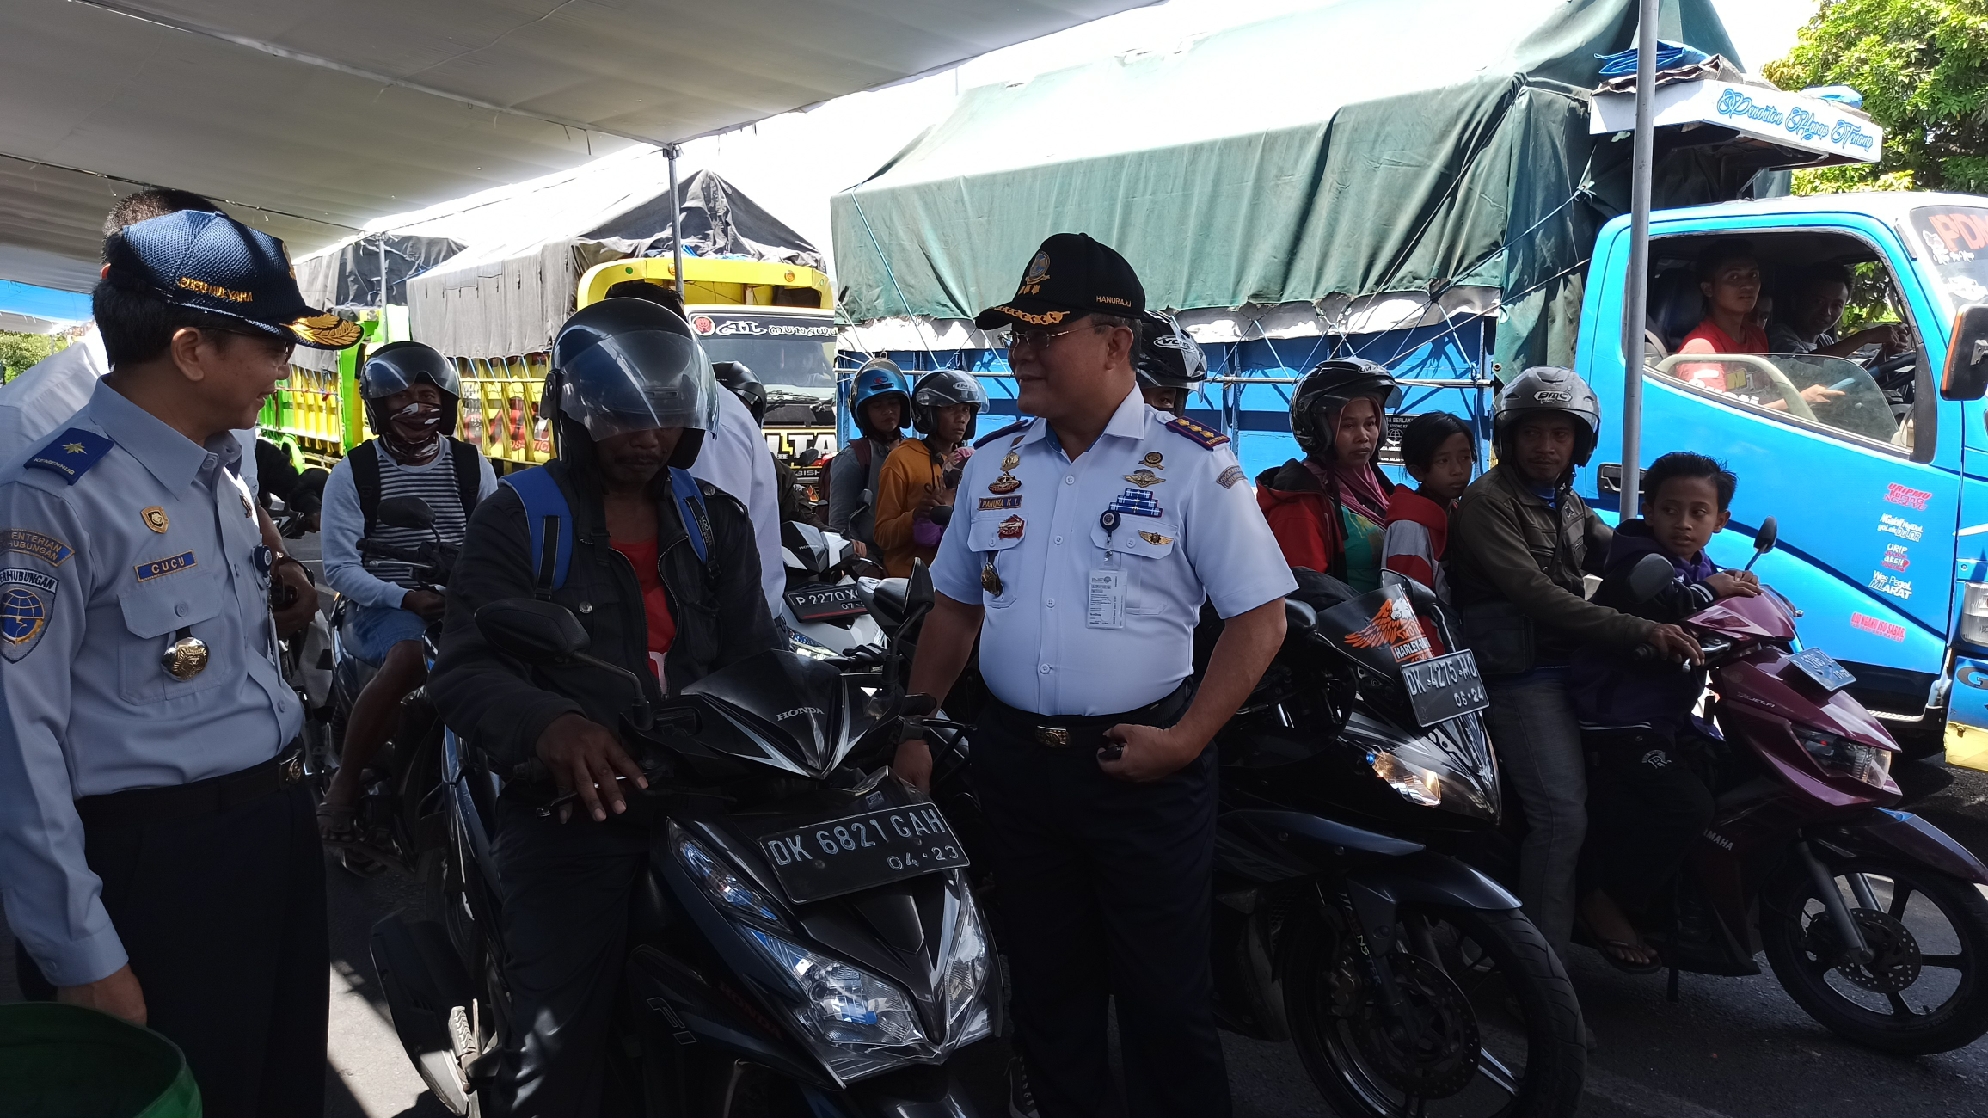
558, 802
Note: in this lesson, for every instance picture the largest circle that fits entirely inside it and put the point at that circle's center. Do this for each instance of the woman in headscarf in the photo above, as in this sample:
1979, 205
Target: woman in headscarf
1328, 508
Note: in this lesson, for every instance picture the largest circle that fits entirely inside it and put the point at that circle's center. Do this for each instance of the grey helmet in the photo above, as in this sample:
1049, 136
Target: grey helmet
1166, 356
1548, 388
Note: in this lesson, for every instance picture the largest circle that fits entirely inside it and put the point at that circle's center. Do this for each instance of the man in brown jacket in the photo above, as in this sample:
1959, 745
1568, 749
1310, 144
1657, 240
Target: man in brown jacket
1519, 545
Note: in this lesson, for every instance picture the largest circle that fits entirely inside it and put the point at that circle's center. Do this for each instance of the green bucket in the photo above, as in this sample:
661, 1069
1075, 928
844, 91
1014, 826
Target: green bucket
63, 1061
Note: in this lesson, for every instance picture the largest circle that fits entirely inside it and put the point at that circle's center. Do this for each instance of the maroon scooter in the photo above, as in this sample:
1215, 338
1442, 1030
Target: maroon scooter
1870, 917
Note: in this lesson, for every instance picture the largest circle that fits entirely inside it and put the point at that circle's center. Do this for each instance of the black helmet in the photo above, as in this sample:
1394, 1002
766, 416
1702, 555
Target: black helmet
399, 366
1321, 393
1166, 356
738, 379
1548, 388
623, 365
943, 388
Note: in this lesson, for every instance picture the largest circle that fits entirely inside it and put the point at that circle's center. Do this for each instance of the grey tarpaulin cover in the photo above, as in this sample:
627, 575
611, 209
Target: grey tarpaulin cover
718, 220
1374, 146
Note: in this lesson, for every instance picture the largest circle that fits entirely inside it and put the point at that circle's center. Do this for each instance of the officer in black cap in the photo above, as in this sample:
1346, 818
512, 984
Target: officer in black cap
1085, 542
157, 846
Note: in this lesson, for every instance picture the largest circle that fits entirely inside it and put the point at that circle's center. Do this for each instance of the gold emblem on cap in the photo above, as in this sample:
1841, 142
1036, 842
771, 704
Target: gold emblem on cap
185, 658
1037, 274
1006, 483
326, 330
1154, 459
155, 519
1144, 479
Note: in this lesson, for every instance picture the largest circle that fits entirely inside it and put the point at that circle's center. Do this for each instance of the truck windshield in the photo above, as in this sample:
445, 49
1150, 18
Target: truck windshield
787, 362
1827, 391
1956, 242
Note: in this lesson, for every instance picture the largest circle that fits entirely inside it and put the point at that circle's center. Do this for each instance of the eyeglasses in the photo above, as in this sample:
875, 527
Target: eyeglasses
1037, 338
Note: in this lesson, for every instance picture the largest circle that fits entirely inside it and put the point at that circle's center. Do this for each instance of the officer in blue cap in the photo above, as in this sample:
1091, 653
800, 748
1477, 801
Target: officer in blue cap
158, 850
1085, 543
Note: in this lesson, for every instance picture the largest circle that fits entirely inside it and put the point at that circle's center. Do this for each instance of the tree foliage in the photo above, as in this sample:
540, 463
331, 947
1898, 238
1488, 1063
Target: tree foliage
20, 352
1922, 66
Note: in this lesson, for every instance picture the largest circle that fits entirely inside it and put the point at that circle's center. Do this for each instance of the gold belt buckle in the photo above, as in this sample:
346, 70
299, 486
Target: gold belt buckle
290, 769
1055, 737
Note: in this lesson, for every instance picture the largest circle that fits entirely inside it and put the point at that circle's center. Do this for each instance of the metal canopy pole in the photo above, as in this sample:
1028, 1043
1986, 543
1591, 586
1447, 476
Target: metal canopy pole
676, 230
1635, 304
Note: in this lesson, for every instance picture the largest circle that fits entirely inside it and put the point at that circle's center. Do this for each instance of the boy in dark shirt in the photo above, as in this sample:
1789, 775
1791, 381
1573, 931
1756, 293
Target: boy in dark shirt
1646, 801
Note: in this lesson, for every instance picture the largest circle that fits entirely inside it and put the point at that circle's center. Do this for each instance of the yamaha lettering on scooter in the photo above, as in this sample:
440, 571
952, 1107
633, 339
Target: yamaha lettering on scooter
1409, 982
806, 938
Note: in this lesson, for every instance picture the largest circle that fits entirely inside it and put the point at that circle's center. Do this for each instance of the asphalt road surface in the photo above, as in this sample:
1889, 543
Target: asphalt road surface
1729, 1047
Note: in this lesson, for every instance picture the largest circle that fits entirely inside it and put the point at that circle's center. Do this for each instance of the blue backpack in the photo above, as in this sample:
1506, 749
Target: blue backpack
550, 519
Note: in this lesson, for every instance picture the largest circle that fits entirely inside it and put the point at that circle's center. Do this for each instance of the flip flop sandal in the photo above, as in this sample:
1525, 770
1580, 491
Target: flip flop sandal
337, 826
1609, 947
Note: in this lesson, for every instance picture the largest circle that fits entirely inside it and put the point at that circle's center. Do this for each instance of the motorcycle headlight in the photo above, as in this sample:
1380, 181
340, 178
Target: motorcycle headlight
717, 879
967, 1016
1840, 755
1448, 765
1416, 784
840, 1004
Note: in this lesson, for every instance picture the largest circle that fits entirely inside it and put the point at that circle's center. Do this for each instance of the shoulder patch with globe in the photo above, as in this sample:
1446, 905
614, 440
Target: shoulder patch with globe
27, 604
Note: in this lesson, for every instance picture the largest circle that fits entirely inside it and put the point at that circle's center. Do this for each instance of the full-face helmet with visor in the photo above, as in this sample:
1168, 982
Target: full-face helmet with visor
626, 365
397, 367
1166, 357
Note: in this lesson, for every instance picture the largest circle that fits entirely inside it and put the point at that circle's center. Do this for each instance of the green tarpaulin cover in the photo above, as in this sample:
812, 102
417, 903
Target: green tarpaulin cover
1368, 147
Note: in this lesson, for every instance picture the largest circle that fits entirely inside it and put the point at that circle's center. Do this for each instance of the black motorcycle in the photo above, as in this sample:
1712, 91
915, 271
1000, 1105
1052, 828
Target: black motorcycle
806, 940
397, 816
1409, 981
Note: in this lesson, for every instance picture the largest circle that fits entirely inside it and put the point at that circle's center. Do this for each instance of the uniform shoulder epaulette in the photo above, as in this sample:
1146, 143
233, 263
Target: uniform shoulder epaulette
1207, 438
1012, 428
71, 454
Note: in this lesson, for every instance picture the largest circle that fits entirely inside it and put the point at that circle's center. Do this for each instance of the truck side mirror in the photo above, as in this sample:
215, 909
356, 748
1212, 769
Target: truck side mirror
1966, 374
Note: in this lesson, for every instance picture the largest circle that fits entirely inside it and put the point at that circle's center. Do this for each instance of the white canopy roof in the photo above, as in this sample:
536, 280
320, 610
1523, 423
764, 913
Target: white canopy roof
311, 117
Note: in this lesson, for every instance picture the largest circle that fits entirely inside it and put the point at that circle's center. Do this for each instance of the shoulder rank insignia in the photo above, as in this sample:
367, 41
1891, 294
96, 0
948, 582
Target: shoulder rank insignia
1012, 428
71, 454
1207, 438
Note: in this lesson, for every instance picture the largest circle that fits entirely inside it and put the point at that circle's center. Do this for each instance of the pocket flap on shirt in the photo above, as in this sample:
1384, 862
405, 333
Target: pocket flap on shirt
153, 609
995, 529
1149, 537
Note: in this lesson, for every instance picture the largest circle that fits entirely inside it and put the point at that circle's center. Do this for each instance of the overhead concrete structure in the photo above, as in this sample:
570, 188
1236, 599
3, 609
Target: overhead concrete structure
309, 118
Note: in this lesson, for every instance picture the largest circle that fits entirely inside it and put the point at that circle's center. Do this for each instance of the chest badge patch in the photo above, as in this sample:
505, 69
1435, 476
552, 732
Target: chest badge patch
156, 519
1136, 502
1230, 477
1154, 460
1010, 462
158, 568
1155, 538
1010, 529
186, 657
989, 504
1144, 479
48, 549
1006, 483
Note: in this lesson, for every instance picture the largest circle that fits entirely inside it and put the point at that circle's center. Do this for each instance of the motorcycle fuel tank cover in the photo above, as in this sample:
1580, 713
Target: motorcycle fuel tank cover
798, 704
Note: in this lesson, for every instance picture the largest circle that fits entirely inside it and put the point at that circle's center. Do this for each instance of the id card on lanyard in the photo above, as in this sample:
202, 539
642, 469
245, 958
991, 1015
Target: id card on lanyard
1104, 606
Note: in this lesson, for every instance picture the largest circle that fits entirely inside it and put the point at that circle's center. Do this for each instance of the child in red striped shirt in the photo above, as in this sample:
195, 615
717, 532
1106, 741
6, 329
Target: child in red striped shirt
1438, 449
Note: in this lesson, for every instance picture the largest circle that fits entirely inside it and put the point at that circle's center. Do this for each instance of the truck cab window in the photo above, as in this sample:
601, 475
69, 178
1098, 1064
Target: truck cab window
1804, 328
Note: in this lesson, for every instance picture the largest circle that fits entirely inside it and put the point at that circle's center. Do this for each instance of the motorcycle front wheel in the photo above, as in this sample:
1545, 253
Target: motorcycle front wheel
1925, 988
1488, 1025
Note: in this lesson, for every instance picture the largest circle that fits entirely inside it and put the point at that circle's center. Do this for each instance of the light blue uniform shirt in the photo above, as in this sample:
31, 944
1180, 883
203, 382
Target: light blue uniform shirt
1188, 530
115, 536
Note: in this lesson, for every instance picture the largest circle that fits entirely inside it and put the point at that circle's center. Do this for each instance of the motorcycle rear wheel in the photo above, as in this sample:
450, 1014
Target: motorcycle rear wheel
1930, 934
1521, 1012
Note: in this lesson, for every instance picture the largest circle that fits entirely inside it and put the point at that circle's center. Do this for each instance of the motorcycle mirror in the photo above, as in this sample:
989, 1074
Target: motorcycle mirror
1299, 618
405, 512
533, 631
1764, 540
1649, 576
918, 593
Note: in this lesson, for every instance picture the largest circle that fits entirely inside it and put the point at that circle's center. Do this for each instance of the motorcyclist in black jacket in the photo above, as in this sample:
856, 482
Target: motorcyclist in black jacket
663, 574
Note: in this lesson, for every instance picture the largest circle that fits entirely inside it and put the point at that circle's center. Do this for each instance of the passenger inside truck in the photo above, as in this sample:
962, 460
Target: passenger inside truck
1801, 366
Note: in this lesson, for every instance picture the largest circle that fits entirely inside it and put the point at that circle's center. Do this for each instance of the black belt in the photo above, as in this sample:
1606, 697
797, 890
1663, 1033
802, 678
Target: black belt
1065, 731
178, 803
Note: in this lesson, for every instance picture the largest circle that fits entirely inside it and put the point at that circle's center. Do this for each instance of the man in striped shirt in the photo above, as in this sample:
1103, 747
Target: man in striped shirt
411, 393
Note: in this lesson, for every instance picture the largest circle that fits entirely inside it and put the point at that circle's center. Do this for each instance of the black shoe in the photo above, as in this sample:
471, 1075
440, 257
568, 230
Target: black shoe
1021, 1100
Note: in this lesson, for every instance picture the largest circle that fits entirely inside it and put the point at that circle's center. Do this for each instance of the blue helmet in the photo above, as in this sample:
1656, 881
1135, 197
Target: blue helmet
878, 377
